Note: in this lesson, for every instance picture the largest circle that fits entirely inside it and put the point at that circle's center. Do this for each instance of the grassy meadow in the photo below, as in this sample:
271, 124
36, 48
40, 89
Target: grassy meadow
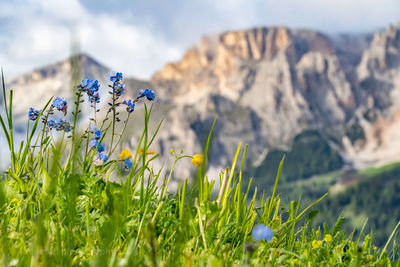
82, 197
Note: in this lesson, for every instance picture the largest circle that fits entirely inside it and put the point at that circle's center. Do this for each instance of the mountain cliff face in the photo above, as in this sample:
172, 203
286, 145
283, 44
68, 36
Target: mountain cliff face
378, 77
269, 87
266, 84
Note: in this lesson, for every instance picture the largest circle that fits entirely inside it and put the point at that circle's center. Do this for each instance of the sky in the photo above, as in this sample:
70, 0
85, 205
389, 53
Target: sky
138, 37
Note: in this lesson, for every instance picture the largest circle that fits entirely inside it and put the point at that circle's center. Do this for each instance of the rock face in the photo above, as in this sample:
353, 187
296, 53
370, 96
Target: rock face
267, 86
378, 76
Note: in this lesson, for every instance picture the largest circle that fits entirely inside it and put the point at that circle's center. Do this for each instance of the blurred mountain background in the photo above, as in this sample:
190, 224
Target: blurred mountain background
329, 102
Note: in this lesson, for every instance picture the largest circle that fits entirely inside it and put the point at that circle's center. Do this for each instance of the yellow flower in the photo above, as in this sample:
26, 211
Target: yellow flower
171, 151
197, 160
316, 244
16, 200
125, 154
328, 238
152, 152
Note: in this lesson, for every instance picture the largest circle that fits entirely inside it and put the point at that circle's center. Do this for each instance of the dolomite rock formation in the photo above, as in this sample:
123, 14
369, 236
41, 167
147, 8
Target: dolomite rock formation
266, 84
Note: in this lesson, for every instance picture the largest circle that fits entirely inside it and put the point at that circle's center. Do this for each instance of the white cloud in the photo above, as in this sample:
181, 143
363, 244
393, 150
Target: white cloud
142, 36
41, 34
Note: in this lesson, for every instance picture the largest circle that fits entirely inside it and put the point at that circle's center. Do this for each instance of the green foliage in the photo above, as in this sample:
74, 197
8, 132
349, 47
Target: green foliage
310, 154
375, 197
60, 207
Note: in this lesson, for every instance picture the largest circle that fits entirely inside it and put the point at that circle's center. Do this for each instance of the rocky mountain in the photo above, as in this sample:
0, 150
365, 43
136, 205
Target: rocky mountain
274, 89
269, 86
378, 90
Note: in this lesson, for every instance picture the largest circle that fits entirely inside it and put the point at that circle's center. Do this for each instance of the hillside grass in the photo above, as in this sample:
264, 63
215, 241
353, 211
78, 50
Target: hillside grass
59, 207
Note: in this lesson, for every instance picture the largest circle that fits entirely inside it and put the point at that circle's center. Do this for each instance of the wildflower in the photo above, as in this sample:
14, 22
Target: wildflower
62, 125
262, 232
103, 157
316, 244
60, 104
51, 124
86, 83
125, 154
130, 105
94, 98
34, 113
197, 160
115, 76
16, 200
152, 152
328, 238
128, 163
96, 132
171, 151
119, 89
100, 148
93, 143
147, 93
91, 87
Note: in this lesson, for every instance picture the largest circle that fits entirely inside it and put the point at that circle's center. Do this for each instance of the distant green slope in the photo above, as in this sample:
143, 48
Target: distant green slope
310, 155
376, 197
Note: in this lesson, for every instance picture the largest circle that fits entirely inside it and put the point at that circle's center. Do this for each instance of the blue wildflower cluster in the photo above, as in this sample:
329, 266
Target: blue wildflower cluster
149, 94
115, 76
96, 143
60, 104
91, 88
59, 125
118, 88
130, 105
128, 163
34, 114
103, 157
262, 232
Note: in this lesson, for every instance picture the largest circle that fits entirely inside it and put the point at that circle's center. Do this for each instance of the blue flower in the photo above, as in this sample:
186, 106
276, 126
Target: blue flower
115, 76
59, 125
34, 113
100, 148
147, 93
119, 89
67, 128
63, 125
128, 163
91, 88
51, 124
96, 132
86, 83
103, 157
130, 105
94, 98
93, 143
60, 104
262, 232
